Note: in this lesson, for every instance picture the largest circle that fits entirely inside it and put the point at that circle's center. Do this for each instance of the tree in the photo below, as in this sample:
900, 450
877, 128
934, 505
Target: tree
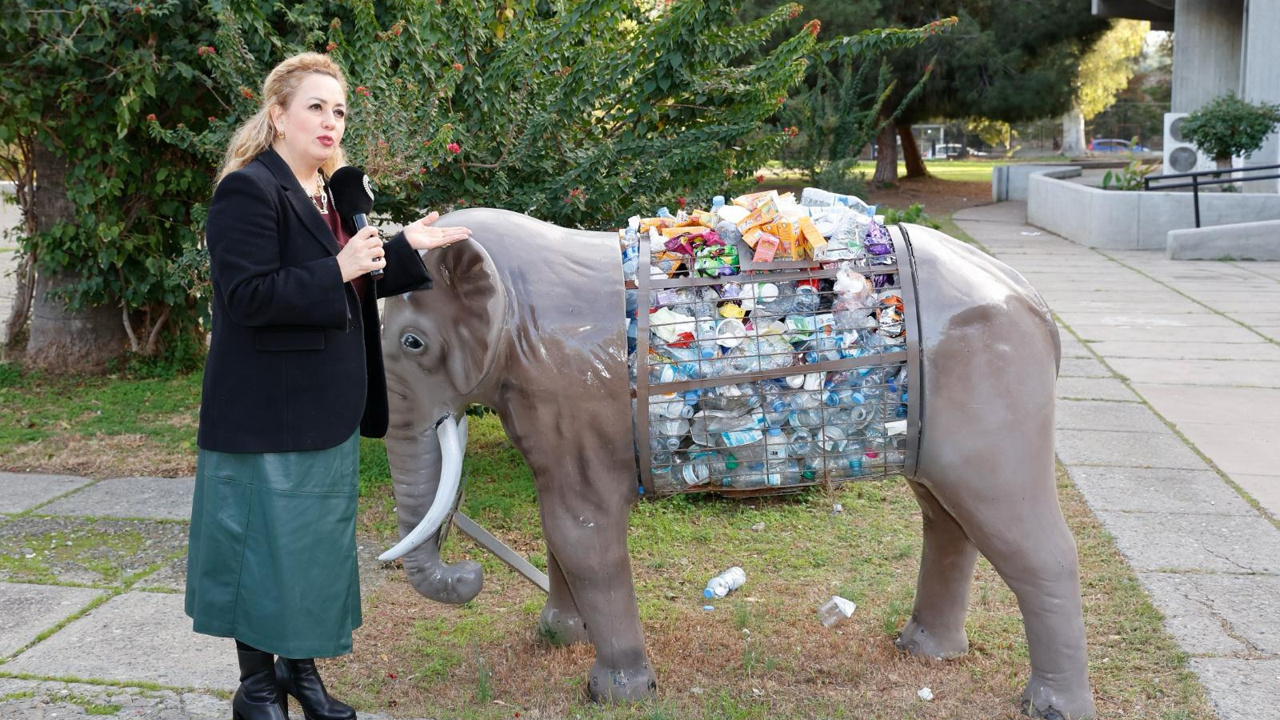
108, 214
575, 111
1104, 72
1006, 60
1230, 127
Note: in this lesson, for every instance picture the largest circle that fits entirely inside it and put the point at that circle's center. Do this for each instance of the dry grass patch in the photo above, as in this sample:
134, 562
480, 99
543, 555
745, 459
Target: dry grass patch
761, 653
98, 456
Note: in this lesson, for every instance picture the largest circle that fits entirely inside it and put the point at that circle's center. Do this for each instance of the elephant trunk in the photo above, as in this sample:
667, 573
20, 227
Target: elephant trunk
424, 503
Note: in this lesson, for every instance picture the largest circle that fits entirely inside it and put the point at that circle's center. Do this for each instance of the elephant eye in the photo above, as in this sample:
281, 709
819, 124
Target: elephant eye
412, 342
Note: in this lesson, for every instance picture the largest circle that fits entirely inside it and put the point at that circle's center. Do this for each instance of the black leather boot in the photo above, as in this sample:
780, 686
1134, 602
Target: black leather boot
258, 697
300, 679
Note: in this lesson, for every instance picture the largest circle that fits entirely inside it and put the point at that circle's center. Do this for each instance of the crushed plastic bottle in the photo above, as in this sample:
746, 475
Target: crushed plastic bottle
836, 610
725, 582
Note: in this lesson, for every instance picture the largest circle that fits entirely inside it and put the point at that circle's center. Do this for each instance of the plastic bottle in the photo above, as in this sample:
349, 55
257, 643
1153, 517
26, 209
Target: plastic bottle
695, 469
728, 232
630, 254
668, 433
775, 352
800, 443
807, 299
776, 405
725, 582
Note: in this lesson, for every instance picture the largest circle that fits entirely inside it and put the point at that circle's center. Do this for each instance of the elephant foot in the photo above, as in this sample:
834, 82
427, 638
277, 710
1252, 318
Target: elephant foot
560, 627
626, 684
916, 639
1040, 700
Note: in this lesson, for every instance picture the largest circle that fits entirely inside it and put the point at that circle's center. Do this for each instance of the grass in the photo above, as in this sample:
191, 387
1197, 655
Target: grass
761, 653
98, 426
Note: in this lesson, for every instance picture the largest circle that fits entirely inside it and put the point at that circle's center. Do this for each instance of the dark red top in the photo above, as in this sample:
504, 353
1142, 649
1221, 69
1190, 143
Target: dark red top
334, 222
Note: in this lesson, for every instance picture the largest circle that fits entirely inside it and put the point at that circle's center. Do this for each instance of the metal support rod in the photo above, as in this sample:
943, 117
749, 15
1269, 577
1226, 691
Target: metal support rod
1195, 192
512, 558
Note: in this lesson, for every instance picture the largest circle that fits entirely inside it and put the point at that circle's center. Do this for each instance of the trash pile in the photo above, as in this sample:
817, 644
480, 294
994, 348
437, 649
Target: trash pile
775, 343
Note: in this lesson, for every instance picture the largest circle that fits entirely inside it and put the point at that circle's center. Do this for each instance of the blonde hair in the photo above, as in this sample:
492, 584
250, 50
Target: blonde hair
278, 90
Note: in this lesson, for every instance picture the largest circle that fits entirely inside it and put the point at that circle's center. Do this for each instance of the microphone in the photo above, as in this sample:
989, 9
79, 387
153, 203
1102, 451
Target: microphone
353, 198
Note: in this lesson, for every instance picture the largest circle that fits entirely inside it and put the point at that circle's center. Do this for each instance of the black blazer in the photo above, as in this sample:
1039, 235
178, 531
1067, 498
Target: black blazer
295, 358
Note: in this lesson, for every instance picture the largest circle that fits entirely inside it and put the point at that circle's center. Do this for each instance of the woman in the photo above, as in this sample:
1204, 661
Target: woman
293, 379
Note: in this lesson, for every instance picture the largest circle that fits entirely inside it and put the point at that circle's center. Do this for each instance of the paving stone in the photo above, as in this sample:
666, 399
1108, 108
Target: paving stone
1108, 388
1125, 449
1164, 542
20, 492
1233, 334
1104, 415
1263, 488
172, 577
135, 637
1082, 321
1073, 348
145, 497
1222, 405
1082, 367
1231, 373
1219, 614
1241, 689
1247, 449
32, 609
1120, 489
1258, 349
52, 700
102, 551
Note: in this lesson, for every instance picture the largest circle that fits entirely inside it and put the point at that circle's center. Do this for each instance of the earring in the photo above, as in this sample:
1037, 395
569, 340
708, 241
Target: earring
279, 134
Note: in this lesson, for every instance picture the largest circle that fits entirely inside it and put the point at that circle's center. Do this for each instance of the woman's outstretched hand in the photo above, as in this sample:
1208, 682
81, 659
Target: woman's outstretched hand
422, 236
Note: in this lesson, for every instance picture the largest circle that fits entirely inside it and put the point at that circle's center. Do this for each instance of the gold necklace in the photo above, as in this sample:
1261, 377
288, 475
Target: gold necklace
320, 198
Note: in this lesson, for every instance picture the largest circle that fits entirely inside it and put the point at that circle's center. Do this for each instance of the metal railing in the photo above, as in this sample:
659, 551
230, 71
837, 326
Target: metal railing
1217, 179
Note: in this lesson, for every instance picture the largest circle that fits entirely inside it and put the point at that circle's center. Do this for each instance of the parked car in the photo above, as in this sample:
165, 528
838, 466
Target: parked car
1114, 145
949, 150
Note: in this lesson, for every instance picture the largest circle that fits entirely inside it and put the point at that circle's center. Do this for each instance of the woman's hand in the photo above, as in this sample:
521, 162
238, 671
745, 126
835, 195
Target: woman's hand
422, 236
361, 255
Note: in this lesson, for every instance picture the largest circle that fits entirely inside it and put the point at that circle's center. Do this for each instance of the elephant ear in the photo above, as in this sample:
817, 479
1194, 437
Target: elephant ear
478, 308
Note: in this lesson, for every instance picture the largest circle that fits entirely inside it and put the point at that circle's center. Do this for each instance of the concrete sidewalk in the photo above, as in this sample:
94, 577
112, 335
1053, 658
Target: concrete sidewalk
92, 576
1169, 424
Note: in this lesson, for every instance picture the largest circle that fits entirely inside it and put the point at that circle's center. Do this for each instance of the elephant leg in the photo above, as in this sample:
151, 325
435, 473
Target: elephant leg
585, 524
1028, 542
560, 622
936, 628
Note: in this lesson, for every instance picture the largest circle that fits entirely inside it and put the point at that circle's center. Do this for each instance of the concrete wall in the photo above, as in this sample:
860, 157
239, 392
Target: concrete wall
1206, 50
1132, 220
1245, 241
1261, 78
1011, 182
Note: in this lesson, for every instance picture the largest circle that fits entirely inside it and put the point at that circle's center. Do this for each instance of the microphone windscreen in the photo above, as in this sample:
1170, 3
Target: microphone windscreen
352, 193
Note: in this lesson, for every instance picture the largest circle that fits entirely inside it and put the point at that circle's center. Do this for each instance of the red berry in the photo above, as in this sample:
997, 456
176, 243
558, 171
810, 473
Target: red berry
151, 117
454, 148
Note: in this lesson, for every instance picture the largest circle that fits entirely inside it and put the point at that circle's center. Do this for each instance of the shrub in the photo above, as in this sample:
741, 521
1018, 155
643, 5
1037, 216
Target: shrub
1230, 127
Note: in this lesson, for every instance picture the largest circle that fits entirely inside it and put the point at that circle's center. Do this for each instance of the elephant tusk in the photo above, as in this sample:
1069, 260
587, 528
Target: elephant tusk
452, 448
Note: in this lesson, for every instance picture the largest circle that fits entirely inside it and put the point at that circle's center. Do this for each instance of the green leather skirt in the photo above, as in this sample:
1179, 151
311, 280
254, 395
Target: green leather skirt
272, 554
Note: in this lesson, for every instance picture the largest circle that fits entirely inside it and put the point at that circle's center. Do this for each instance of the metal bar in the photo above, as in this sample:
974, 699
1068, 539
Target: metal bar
643, 263
1205, 182
1195, 193
752, 376
915, 369
751, 276
512, 558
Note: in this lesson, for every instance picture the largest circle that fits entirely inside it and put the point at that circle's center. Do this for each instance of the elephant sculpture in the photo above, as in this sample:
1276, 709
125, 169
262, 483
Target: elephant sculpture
527, 318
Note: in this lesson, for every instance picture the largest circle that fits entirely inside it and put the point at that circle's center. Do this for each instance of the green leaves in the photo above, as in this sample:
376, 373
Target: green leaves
1230, 127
